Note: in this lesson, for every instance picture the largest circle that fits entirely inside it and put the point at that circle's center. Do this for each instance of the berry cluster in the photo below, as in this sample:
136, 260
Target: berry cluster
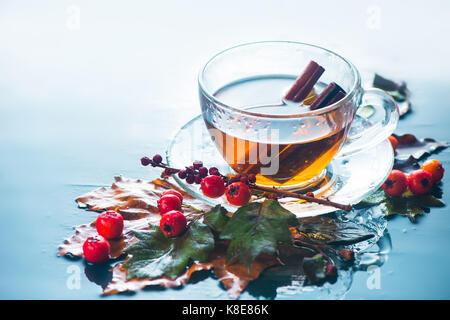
212, 183
419, 181
237, 188
109, 225
196, 172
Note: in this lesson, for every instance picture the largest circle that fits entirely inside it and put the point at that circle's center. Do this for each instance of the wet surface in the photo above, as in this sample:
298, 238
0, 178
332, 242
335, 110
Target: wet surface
80, 106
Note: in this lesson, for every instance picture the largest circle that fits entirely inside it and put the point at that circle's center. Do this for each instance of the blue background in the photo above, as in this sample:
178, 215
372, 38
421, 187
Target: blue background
82, 103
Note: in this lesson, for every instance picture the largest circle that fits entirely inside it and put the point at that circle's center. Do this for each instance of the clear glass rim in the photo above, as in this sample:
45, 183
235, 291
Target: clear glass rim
348, 96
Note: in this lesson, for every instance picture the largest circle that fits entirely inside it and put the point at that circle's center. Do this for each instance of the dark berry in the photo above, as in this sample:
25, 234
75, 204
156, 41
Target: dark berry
96, 249
235, 178
190, 179
251, 178
420, 181
396, 184
145, 161
213, 186
198, 179
174, 192
406, 139
109, 224
203, 171
238, 193
182, 174
310, 194
347, 254
214, 171
168, 203
272, 196
157, 158
197, 164
173, 223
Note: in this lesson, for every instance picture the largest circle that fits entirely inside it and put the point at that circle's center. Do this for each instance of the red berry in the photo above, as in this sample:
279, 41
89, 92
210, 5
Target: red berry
168, 203
173, 223
420, 181
396, 184
174, 192
331, 270
435, 168
272, 196
394, 142
213, 186
96, 249
109, 224
238, 193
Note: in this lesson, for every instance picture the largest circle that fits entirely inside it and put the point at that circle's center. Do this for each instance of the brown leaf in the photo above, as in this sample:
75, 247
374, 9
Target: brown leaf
74, 245
120, 283
134, 199
235, 276
409, 146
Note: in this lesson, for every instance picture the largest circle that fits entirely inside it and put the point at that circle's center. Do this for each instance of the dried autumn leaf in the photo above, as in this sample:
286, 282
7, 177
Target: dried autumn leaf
74, 245
257, 228
398, 91
123, 195
120, 283
331, 231
135, 198
409, 146
235, 277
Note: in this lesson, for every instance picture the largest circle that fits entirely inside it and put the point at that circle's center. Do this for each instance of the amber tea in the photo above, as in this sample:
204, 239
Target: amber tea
295, 153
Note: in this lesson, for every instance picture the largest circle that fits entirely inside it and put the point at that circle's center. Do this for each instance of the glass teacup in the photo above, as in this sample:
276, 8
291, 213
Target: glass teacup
286, 144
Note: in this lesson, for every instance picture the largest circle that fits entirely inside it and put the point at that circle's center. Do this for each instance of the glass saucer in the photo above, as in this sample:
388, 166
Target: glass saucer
349, 178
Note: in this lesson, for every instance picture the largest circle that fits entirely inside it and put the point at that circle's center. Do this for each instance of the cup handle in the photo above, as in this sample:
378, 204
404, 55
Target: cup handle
375, 120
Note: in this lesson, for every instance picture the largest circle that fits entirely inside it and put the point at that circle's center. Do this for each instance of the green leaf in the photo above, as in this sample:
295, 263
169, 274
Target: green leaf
332, 230
397, 96
257, 228
366, 111
373, 199
155, 255
408, 205
314, 268
216, 218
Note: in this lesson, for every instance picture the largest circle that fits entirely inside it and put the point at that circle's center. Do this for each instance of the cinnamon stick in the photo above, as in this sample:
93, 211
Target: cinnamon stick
327, 96
345, 207
305, 82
